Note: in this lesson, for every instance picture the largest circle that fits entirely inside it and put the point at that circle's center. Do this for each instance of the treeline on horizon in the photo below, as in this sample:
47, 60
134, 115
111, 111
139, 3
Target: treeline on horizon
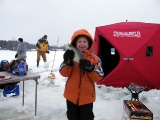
12, 45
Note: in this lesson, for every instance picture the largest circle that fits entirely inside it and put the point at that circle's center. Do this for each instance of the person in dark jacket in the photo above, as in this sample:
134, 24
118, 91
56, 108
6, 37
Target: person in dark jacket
42, 48
21, 50
82, 73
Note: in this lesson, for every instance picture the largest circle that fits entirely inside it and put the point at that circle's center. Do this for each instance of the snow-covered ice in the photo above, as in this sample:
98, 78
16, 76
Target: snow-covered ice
51, 104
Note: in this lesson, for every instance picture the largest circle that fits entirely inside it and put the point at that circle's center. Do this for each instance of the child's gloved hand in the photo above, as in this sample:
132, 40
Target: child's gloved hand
68, 57
86, 65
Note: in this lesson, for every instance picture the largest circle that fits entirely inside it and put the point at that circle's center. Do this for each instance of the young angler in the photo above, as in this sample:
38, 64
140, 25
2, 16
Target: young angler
80, 87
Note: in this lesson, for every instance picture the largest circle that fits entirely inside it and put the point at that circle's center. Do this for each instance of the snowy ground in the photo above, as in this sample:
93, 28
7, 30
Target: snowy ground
51, 103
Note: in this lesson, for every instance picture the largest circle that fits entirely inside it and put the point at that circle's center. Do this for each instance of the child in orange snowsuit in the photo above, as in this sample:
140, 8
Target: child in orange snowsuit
82, 75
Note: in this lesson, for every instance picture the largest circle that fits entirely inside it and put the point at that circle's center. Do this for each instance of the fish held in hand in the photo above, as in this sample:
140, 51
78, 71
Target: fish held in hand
78, 55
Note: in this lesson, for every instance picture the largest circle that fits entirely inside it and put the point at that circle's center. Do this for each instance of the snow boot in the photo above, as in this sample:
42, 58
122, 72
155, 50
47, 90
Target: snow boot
37, 63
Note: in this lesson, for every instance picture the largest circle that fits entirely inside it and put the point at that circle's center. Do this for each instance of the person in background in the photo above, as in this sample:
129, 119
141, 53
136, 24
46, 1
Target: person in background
21, 50
80, 85
42, 48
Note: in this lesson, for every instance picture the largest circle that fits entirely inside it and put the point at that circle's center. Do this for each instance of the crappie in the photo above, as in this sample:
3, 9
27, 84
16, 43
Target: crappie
78, 55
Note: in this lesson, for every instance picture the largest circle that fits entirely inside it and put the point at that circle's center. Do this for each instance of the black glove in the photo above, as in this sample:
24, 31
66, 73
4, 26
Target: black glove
16, 55
68, 57
47, 51
86, 65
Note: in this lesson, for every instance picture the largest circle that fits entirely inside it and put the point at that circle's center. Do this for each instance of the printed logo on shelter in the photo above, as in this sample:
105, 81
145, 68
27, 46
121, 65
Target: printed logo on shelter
136, 34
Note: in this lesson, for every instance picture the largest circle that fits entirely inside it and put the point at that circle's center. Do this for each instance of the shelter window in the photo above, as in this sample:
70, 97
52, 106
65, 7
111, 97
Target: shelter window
112, 51
149, 51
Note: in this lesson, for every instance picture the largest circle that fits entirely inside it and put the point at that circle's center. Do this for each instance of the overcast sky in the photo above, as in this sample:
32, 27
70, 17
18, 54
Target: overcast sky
31, 19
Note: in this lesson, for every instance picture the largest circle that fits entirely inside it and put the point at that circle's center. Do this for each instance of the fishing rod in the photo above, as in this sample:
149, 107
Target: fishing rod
52, 75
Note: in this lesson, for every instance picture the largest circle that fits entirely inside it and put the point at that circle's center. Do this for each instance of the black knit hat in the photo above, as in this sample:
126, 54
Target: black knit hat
45, 36
76, 38
20, 39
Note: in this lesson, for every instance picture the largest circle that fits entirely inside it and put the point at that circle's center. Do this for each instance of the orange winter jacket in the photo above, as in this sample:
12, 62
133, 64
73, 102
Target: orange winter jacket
80, 85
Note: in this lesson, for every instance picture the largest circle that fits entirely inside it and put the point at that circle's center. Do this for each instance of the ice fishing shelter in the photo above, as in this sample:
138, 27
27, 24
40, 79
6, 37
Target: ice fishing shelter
130, 52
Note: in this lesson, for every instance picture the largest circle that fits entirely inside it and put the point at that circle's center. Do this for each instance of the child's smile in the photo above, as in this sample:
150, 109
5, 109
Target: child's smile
82, 44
